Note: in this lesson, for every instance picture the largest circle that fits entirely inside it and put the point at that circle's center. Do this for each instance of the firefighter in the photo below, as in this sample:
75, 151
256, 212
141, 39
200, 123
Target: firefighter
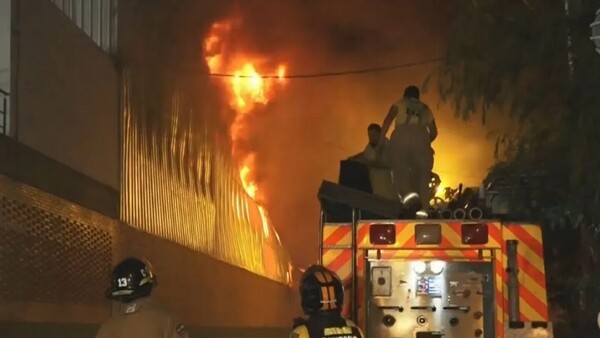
322, 298
375, 156
138, 315
411, 155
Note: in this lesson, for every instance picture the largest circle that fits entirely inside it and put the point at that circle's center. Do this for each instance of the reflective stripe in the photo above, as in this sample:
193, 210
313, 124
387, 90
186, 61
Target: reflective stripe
532, 275
532, 286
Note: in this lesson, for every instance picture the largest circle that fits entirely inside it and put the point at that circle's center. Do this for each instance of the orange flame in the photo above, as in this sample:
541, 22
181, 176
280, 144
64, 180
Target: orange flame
250, 186
247, 88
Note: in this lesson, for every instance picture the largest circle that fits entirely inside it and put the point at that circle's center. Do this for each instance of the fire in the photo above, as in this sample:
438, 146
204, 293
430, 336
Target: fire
250, 186
247, 88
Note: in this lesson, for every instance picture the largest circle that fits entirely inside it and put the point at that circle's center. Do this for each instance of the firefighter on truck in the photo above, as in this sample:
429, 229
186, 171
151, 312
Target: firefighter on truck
322, 298
410, 151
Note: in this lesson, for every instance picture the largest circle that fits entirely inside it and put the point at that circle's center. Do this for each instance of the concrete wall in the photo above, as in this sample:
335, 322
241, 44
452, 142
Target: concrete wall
64, 80
5, 45
31, 167
215, 299
56, 291
50, 330
5, 21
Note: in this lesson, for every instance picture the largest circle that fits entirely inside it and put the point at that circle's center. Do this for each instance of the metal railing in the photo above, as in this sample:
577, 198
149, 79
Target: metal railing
97, 18
4, 95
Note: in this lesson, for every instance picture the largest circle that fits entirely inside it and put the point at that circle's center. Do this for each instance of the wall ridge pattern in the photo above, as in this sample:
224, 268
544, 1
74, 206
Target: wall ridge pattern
184, 188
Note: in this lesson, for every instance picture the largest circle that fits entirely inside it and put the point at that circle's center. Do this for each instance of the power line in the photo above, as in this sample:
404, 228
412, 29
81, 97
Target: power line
331, 74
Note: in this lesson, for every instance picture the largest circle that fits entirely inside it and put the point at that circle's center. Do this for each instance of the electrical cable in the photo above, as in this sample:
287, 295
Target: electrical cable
331, 74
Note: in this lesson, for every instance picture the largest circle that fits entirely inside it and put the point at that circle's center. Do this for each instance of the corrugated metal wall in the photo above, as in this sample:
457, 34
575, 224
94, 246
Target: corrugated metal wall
179, 185
97, 18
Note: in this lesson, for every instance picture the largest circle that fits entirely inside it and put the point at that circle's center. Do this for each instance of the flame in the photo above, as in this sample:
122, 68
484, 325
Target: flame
249, 186
247, 88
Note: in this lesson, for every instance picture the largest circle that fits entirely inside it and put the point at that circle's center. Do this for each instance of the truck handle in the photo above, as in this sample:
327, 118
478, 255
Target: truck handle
457, 307
512, 270
432, 308
398, 308
432, 334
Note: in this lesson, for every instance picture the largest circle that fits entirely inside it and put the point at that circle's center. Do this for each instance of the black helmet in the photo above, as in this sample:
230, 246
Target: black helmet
131, 279
411, 92
321, 290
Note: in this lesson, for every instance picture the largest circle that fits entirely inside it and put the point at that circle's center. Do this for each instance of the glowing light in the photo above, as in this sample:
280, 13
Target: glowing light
265, 220
437, 267
247, 88
281, 73
290, 270
249, 185
419, 267
277, 236
540, 333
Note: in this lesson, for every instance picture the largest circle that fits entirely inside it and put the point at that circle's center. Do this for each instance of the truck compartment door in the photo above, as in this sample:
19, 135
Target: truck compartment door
421, 299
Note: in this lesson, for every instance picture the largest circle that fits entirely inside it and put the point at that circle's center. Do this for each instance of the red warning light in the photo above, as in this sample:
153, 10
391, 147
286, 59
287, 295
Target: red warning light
382, 233
474, 233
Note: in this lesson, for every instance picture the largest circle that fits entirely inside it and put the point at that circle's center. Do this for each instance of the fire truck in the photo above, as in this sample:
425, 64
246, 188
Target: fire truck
409, 277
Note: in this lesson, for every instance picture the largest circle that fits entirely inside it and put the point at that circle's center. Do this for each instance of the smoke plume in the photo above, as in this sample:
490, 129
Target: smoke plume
301, 134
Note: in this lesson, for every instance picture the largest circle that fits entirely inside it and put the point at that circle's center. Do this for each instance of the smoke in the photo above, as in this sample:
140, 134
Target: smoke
303, 132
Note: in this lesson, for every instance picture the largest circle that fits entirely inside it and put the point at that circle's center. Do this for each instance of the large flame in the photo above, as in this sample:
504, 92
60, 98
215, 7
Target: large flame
247, 88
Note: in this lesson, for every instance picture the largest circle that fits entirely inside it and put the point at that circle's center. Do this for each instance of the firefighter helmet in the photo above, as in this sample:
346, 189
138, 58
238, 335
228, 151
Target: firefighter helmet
412, 92
131, 279
321, 290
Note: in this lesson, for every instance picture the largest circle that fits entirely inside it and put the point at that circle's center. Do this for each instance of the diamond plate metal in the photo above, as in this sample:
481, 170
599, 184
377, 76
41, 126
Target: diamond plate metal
52, 251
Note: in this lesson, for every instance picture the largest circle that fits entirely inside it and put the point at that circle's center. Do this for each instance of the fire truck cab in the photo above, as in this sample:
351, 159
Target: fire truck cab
425, 278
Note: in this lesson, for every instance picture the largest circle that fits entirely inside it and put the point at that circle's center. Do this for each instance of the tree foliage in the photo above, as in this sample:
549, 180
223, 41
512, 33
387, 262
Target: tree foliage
531, 61
511, 57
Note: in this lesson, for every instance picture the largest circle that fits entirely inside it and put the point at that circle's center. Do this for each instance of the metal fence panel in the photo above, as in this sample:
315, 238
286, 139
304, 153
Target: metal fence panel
52, 251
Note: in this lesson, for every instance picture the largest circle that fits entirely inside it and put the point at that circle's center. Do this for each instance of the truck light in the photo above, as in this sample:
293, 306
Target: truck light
428, 234
437, 267
382, 233
419, 267
474, 233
